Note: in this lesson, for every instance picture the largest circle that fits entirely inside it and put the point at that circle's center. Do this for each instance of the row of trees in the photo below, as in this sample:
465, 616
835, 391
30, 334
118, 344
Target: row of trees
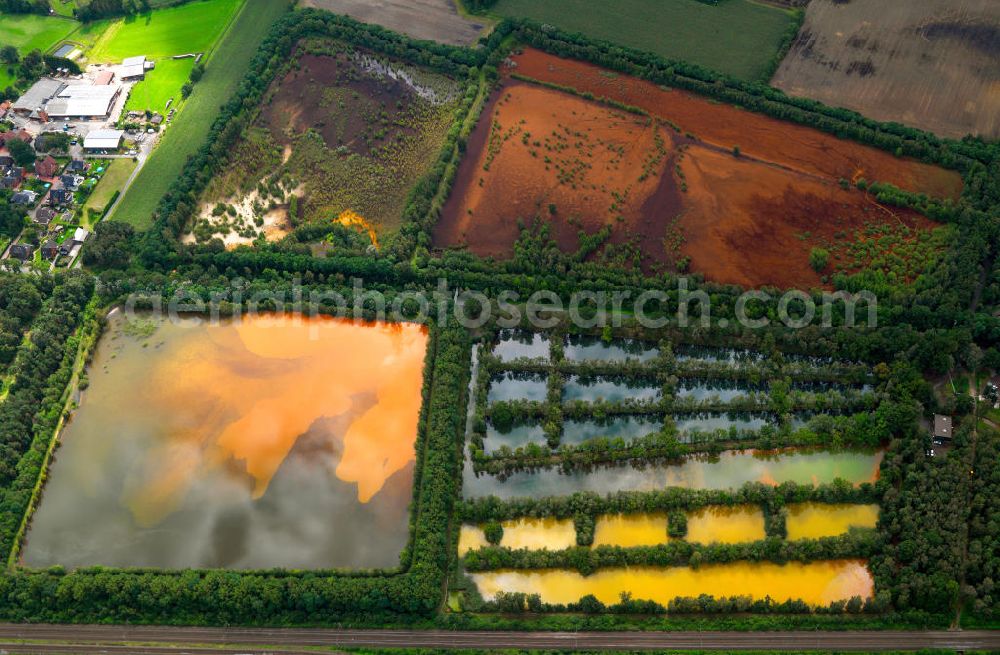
772, 498
35, 399
519, 603
858, 543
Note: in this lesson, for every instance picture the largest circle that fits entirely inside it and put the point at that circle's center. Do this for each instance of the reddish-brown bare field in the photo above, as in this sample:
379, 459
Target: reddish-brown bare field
787, 144
753, 224
536, 150
750, 219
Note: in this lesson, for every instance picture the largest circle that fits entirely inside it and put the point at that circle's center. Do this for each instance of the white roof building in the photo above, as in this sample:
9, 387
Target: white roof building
133, 67
132, 72
80, 235
83, 101
103, 140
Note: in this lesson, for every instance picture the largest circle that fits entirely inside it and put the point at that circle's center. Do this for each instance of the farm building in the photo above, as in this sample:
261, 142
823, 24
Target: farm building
134, 68
37, 97
104, 78
104, 140
83, 101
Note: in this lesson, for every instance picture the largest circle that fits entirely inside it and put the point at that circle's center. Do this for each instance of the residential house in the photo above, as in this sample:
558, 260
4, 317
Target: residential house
71, 181
942, 429
15, 135
50, 249
12, 178
44, 216
23, 198
60, 197
6, 161
80, 235
47, 167
77, 166
22, 251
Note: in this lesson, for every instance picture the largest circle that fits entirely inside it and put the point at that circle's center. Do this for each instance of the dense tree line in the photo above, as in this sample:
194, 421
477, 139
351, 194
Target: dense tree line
925, 326
924, 513
34, 402
20, 299
979, 594
25, 7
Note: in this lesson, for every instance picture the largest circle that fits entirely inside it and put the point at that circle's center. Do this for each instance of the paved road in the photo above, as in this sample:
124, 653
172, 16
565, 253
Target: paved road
93, 639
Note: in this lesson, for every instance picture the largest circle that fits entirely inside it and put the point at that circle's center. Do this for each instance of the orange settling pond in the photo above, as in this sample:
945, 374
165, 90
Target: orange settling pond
274, 441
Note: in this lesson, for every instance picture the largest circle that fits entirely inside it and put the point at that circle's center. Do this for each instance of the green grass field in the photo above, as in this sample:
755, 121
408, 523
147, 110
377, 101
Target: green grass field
738, 37
191, 27
28, 31
114, 179
226, 67
161, 84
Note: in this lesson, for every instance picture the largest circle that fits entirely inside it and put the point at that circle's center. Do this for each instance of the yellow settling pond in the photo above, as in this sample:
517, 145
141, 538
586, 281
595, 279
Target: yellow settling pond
816, 583
533, 534
714, 524
726, 525
629, 530
815, 520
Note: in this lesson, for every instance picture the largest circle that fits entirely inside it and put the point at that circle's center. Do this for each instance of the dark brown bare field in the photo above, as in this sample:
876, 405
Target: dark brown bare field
303, 101
749, 220
932, 64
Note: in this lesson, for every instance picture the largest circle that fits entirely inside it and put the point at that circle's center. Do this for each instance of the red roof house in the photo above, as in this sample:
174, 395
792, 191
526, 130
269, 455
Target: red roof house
47, 167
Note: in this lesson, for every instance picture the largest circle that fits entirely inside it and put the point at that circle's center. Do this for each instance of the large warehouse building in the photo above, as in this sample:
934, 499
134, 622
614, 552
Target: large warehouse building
83, 102
50, 99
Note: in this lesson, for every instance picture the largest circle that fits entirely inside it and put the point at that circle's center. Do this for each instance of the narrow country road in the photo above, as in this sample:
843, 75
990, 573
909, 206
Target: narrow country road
140, 640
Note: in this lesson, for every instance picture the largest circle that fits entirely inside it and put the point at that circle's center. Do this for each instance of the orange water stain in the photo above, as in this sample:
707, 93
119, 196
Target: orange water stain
349, 218
242, 397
